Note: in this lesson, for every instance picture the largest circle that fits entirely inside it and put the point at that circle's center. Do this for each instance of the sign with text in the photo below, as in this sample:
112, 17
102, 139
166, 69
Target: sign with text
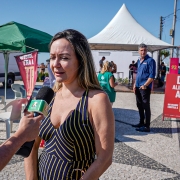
174, 63
27, 64
172, 96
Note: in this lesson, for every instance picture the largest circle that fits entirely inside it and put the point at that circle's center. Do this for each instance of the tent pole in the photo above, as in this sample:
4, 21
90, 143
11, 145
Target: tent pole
6, 58
157, 62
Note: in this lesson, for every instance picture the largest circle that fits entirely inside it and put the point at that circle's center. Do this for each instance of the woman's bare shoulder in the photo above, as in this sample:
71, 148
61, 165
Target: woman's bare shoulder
97, 97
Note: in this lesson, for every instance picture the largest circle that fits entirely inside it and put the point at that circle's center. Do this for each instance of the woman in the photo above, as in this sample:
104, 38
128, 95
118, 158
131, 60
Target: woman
76, 128
106, 80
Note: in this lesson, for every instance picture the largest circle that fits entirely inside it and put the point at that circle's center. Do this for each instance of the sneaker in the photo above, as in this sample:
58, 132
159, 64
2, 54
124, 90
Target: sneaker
138, 125
143, 129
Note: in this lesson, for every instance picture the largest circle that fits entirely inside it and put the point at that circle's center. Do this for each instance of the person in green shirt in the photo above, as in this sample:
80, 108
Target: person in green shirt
106, 81
42, 75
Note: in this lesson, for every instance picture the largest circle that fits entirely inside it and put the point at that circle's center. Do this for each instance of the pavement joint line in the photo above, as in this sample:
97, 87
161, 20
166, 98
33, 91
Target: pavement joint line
123, 122
174, 130
178, 133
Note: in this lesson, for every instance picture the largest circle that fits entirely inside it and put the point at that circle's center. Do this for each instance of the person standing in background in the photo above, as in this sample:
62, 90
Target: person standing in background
142, 88
114, 67
42, 66
41, 75
163, 72
51, 75
132, 66
101, 63
106, 81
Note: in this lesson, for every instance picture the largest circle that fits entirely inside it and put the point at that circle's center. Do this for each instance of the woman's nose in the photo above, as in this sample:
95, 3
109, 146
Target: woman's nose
56, 63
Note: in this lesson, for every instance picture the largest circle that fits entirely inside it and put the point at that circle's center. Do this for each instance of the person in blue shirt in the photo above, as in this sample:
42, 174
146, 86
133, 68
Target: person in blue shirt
142, 88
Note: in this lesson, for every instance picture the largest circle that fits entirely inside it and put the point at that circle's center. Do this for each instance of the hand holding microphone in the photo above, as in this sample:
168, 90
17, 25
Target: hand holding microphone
37, 106
27, 125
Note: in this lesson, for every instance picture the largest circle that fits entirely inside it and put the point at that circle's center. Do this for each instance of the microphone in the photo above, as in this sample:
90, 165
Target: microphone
38, 106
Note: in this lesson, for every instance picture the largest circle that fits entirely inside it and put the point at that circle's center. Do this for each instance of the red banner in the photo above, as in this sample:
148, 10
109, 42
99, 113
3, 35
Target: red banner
172, 96
174, 63
27, 64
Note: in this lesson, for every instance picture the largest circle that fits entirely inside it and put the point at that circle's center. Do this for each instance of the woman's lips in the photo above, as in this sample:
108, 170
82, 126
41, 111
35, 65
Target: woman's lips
59, 73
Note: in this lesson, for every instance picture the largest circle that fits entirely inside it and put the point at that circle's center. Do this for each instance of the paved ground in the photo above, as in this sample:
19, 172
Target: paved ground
142, 156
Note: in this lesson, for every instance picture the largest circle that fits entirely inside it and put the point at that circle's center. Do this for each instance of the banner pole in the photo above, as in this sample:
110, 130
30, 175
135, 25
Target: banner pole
6, 58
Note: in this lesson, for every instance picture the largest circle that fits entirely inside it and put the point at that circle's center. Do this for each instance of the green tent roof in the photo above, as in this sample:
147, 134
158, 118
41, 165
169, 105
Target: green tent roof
18, 37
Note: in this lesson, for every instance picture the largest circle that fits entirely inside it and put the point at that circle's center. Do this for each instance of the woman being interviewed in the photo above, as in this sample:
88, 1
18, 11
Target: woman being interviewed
80, 123
106, 80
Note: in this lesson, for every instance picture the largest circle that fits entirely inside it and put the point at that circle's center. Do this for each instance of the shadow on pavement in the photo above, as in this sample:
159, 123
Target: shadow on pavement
125, 118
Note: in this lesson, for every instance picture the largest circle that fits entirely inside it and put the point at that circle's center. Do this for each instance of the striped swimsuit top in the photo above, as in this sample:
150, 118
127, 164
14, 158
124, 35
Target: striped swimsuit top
70, 149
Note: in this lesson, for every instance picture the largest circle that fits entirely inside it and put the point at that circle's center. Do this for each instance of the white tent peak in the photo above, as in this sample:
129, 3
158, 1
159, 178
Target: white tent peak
124, 33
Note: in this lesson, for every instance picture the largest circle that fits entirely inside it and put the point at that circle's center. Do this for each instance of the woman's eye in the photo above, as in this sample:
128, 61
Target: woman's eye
60, 58
64, 58
52, 58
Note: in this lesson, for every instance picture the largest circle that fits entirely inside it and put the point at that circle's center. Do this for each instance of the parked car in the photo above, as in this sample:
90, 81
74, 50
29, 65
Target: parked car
13, 70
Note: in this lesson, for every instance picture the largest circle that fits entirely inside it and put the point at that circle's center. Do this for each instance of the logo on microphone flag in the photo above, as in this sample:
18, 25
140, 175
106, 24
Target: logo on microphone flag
39, 106
27, 64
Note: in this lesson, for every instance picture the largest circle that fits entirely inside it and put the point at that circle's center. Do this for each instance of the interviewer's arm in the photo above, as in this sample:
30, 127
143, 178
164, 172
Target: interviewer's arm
9, 148
28, 124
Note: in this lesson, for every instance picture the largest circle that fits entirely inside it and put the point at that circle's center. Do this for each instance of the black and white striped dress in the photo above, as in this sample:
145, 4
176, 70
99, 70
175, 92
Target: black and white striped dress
70, 149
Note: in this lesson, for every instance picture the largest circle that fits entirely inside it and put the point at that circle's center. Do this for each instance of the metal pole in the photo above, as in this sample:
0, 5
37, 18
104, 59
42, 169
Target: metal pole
177, 50
159, 52
6, 58
161, 27
173, 27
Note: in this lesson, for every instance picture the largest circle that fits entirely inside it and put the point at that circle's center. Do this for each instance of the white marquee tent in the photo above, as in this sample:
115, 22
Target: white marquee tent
124, 33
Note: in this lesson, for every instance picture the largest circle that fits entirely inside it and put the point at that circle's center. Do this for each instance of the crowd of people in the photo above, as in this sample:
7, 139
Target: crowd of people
80, 126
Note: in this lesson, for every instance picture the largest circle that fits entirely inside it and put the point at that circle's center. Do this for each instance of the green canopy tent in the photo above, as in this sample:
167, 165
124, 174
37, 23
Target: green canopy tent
16, 37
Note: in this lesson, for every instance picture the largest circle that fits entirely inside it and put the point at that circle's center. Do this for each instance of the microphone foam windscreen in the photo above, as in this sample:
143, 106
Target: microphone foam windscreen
45, 93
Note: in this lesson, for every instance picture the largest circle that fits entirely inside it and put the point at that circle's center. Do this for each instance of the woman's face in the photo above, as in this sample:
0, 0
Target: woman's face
63, 61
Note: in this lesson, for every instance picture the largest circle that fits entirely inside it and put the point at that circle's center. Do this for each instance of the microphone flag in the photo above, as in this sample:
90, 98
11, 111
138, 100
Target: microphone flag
27, 64
39, 106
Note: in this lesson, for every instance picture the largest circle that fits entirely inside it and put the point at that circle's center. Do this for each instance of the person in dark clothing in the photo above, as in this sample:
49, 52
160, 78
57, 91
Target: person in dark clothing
163, 72
101, 63
131, 70
142, 88
114, 67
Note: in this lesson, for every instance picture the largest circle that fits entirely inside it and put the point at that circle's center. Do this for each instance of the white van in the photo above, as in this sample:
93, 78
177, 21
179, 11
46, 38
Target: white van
13, 70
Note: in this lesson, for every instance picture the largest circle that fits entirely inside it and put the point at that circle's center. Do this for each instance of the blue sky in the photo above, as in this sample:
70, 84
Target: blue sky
89, 16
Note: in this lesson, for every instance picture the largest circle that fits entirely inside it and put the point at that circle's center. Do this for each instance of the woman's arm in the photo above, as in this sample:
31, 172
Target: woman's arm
103, 124
31, 162
111, 82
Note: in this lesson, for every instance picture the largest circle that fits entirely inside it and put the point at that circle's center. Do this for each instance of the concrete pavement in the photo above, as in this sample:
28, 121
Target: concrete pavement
137, 155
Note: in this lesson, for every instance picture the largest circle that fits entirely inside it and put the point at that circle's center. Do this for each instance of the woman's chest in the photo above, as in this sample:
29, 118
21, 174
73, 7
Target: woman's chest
60, 111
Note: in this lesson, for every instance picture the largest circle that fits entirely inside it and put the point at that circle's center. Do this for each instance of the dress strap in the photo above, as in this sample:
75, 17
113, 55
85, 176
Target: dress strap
83, 105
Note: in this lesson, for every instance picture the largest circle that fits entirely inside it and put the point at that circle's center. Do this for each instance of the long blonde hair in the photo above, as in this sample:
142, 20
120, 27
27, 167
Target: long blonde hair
87, 78
106, 67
